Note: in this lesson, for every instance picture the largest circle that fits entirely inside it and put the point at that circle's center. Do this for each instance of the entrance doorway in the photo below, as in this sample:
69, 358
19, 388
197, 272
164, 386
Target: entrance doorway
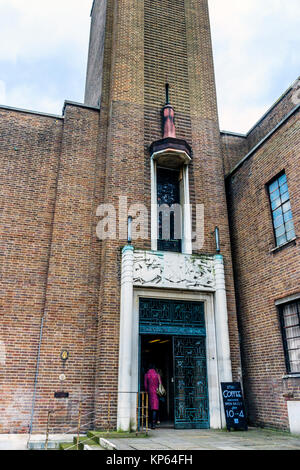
181, 363
173, 338
158, 350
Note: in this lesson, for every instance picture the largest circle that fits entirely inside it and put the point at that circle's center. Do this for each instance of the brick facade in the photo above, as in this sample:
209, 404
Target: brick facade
61, 284
264, 274
49, 199
30, 150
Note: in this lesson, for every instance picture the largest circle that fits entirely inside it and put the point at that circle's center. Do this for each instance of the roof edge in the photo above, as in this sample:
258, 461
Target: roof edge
80, 105
265, 114
29, 111
261, 142
235, 134
92, 9
273, 106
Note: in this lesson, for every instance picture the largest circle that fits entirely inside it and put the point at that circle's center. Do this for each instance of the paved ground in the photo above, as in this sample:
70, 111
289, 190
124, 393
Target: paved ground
20, 441
253, 439
169, 439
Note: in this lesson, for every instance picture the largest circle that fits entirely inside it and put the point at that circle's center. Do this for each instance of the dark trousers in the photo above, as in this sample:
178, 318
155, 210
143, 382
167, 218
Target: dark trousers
153, 418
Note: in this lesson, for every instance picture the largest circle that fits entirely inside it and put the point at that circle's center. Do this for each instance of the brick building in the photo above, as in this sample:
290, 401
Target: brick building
87, 266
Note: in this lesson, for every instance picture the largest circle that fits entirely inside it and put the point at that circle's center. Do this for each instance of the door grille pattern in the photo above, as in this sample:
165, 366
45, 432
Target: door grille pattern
171, 314
185, 322
191, 398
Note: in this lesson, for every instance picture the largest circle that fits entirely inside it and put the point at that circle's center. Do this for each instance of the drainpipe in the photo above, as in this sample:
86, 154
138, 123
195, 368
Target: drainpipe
36, 377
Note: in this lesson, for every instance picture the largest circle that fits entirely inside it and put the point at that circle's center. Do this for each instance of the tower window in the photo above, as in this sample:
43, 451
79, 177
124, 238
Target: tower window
290, 322
281, 210
169, 210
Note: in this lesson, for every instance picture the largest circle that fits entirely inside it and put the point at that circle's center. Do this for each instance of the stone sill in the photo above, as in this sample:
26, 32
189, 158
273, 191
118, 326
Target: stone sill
292, 376
281, 247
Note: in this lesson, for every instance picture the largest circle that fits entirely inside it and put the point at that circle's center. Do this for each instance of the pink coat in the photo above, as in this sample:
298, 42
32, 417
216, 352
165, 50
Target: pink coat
151, 382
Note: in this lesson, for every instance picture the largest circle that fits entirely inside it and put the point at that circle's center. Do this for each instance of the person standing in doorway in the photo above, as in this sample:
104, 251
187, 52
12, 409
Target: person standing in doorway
160, 398
151, 381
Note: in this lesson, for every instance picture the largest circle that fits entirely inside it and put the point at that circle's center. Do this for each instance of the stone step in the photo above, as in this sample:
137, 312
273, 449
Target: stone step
100, 440
93, 447
66, 446
96, 435
82, 442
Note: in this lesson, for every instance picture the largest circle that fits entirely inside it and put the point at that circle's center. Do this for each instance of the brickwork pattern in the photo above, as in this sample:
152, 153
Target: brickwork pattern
234, 148
73, 277
124, 177
29, 153
282, 107
125, 96
207, 177
264, 276
95, 67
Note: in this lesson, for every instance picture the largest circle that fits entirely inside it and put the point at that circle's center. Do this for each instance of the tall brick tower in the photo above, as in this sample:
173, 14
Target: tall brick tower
137, 47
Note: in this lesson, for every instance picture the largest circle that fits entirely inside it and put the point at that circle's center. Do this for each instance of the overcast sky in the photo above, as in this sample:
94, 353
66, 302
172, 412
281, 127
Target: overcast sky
44, 45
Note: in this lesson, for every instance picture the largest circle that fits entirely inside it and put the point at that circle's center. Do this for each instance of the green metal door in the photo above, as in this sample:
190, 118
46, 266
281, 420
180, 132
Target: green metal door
185, 322
190, 383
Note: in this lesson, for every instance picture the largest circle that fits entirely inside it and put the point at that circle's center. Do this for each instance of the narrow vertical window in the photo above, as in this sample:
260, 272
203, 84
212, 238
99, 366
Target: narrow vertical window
290, 322
281, 210
169, 210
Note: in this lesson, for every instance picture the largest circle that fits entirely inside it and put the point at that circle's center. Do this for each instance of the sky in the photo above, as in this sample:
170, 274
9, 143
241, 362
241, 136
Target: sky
44, 47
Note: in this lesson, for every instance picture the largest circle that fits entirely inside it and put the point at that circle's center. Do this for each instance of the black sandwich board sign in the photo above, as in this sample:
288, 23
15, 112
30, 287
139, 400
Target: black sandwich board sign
234, 405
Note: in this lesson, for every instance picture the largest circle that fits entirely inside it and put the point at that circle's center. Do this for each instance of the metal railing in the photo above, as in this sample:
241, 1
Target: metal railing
83, 422
142, 412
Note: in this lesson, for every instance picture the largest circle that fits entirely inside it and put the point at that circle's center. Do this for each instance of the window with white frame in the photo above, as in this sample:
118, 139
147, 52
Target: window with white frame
171, 213
169, 210
281, 210
290, 323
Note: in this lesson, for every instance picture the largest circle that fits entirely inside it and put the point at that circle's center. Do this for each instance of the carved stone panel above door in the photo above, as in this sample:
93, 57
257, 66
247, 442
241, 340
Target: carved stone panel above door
173, 270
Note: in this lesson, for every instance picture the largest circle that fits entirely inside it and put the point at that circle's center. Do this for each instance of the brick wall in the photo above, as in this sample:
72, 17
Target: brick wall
94, 75
263, 276
124, 176
207, 176
234, 148
73, 278
50, 263
29, 152
146, 45
279, 110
